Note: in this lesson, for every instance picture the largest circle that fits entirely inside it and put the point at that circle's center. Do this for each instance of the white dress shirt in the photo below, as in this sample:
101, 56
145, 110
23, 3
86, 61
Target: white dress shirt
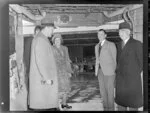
126, 40
102, 42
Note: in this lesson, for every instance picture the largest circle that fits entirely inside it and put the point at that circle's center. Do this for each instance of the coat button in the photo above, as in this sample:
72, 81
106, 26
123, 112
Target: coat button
2, 103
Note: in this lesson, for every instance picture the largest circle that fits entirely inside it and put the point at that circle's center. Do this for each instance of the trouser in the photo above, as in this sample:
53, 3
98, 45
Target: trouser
106, 85
122, 108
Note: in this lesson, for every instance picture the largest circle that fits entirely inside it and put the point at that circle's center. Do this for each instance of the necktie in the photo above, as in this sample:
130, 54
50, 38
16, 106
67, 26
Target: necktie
100, 47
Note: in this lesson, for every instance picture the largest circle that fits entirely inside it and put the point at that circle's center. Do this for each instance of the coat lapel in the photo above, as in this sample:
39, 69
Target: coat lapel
125, 48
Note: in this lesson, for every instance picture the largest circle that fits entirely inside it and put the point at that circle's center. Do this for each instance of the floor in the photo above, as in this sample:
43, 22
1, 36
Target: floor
85, 93
84, 96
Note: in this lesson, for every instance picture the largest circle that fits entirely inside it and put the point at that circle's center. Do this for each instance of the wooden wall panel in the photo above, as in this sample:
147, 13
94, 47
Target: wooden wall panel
139, 28
138, 22
139, 36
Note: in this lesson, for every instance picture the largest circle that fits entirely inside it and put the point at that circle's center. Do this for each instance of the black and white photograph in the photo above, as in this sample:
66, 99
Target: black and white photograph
76, 57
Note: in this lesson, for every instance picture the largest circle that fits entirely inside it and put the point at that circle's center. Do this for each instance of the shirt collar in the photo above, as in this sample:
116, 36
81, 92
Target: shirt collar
126, 40
102, 42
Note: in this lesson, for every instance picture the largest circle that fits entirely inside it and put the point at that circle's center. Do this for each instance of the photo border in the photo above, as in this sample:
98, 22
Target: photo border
4, 41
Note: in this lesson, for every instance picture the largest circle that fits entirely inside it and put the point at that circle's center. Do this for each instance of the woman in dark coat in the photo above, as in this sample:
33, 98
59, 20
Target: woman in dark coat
129, 69
64, 69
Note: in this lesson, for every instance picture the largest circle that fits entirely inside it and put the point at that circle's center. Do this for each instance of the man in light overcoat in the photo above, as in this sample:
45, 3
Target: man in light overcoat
43, 84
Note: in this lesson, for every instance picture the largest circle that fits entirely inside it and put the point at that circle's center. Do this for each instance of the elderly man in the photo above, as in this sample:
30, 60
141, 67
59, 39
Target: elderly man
43, 84
130, 66
105, 52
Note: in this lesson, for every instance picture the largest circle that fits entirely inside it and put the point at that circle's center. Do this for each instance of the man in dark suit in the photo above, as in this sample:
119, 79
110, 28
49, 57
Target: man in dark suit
128, 72
105, 67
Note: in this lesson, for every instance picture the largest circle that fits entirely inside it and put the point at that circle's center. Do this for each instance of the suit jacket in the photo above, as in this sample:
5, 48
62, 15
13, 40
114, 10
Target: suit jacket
107, 58
128, 78
42, 67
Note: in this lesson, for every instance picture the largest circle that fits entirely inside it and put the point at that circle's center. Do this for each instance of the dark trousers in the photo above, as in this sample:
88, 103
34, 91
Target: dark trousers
106, 85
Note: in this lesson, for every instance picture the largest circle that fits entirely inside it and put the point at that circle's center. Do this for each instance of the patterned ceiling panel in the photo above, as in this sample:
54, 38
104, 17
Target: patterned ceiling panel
75, 20
73, 8
73, 15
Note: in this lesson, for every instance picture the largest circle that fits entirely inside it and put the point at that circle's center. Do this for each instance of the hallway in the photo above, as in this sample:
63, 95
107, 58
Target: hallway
84, 96
84, 88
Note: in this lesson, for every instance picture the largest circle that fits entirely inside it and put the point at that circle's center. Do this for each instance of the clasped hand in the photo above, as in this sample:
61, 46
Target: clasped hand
48, 82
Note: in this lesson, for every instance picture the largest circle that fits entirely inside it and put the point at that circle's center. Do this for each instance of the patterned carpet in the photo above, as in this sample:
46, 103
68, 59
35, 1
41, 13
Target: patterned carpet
84, 88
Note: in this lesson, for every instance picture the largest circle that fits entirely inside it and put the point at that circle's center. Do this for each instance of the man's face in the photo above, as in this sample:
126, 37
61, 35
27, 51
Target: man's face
124, 33
101, 35
50, 31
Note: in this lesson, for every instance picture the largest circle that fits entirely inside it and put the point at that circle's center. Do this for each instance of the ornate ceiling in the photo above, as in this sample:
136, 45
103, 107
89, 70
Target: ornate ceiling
72, 8
74, 15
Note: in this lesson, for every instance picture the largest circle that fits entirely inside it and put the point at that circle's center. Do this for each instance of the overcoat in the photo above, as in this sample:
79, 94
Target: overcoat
128, 75
67, 59
64, 69
42, 67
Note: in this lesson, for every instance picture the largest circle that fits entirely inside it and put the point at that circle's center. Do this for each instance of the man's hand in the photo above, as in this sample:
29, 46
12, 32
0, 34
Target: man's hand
70, 74
48, 82
96, 71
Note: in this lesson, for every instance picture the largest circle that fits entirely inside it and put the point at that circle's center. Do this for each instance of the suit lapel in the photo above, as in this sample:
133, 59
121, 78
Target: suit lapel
104, 45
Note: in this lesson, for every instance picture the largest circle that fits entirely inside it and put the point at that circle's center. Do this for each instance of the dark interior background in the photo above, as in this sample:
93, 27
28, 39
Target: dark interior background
80, 46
